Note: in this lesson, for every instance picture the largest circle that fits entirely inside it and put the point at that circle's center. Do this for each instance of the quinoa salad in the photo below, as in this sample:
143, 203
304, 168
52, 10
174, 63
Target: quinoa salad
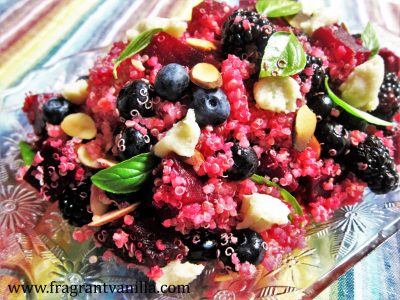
220, 139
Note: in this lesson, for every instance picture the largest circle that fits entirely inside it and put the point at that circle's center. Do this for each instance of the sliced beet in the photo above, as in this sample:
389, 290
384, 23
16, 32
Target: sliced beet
337, 38
392, 61
171, 50
194, 190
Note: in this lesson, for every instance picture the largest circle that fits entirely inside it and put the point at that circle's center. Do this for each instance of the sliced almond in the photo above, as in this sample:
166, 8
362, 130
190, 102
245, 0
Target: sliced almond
76, 92
206, 76
113, 215
86, 159
138, 65
196, 160
98, 201
304, 127
79, 125
315, 145
106, 163
226, 277
201, 44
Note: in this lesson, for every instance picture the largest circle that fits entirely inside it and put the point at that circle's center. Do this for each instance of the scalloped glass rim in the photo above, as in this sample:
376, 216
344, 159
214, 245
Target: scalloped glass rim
333, 246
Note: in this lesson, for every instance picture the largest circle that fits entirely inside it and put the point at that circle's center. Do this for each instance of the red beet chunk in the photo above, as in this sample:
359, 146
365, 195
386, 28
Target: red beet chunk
171, 50
392, 61
194, 191
343, 44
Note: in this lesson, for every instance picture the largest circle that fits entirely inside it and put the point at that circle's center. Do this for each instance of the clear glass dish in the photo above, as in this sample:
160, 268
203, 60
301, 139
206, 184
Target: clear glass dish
36, 245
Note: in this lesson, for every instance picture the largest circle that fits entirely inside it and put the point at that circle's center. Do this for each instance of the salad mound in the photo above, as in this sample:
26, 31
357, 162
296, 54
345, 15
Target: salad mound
219, 140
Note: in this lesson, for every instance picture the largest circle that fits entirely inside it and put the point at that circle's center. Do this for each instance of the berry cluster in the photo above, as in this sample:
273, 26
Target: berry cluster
232, 249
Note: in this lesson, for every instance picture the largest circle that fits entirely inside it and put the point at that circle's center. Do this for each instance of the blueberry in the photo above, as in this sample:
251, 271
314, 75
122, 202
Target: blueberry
333, 137
171, 82
320, 104
351, 122
202, 245
246, 243
245, 162
210, 106
131, 142
56, 109
136, 97
83, 77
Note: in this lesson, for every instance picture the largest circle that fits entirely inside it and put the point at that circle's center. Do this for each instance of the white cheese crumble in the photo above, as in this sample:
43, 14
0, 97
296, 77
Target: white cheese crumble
172, 26
323, 17
278, 94
181, 139
313, 16
362, 86
261, 211
176, 273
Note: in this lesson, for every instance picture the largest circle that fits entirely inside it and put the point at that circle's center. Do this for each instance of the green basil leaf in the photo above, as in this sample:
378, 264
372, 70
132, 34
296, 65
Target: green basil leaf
278, 8
284, 193
355, 111
127, 176
283, 56
136, 45
27, 153
370, 39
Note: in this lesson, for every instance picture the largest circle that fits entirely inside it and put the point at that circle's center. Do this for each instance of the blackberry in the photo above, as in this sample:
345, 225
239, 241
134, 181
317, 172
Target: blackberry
389, 98
371, 162
245, 34
52, 183
147, 242
74, 204
317, 80
144, 194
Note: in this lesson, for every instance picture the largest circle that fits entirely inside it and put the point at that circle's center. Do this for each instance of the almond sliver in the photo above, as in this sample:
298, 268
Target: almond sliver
113, 215
206, 76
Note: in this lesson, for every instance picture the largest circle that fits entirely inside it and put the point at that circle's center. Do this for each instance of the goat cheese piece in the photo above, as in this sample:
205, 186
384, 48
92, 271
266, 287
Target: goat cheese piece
181, 139
176, 273
261, 211
277, 94
362, 86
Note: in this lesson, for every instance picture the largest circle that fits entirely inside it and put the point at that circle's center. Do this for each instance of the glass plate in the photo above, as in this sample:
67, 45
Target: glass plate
36, 245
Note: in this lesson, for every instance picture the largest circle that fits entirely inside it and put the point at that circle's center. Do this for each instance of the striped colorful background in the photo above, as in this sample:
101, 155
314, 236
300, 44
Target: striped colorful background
37, 33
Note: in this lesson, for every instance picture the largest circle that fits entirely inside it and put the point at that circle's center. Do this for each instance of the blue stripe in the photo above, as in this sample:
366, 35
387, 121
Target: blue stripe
346, 286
